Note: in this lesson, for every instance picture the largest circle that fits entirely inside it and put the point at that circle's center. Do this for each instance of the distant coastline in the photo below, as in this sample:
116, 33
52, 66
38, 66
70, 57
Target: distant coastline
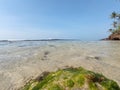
41, 40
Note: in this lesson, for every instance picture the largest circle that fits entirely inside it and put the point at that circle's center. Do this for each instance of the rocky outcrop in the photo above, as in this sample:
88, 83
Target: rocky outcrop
114, 36
72, 79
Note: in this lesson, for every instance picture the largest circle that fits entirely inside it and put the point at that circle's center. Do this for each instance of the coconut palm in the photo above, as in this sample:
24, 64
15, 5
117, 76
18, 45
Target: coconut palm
114, 15
115, 24
110, 30
118, 18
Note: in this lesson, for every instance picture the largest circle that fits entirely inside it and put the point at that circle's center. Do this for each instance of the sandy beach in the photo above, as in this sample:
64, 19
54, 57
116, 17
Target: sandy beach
20, 64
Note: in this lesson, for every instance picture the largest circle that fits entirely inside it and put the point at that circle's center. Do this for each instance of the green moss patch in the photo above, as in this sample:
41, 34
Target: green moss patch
72, 79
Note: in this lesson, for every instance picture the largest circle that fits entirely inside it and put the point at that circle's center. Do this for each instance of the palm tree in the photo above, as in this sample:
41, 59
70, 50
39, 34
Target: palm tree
118, 18
115, 24
110, 30
114, 15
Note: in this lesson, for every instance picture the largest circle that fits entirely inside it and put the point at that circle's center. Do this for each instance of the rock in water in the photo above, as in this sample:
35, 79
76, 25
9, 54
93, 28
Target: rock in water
72, 79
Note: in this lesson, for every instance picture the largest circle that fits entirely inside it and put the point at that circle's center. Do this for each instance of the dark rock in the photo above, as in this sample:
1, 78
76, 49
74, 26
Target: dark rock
115, 36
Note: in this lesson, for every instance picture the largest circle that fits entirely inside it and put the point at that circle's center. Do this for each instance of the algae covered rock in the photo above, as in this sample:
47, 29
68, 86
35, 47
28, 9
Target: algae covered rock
72, 79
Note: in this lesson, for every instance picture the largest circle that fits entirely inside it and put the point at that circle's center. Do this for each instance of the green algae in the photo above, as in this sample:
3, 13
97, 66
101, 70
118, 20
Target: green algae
110, 85
70, 83
55, 87
79, 79
72, 79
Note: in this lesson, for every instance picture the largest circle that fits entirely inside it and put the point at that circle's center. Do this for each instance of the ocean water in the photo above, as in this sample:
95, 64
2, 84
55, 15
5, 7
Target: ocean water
21, 61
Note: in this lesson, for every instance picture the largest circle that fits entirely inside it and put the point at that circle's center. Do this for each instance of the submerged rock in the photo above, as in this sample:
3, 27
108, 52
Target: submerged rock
72, 79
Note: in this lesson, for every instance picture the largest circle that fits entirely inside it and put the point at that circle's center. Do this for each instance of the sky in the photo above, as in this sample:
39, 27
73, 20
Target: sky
63, 19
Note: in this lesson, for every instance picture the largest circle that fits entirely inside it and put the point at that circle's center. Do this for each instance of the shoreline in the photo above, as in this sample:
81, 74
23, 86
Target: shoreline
29, 62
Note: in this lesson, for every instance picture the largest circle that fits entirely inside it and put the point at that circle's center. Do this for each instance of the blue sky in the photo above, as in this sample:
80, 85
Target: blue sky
67, 19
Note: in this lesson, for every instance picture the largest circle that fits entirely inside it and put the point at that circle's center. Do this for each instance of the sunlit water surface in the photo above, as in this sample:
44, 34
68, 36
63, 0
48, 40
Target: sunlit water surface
21, 61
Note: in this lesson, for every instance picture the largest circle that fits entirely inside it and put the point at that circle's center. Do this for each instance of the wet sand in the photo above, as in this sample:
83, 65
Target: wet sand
18, 65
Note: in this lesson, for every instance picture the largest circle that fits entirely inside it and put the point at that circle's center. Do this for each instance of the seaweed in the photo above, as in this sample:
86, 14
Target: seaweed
72, 79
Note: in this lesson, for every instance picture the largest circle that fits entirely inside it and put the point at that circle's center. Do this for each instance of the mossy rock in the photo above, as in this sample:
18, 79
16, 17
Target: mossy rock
72, 79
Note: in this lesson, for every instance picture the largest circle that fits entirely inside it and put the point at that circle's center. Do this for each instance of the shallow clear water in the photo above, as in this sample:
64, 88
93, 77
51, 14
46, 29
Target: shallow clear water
21, 61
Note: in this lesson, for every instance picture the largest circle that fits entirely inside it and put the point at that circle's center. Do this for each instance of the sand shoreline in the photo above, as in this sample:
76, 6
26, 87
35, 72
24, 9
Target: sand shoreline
28, 63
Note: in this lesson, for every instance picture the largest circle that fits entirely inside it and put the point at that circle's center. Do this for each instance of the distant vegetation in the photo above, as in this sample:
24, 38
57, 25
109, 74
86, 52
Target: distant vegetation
116, 23
72, 79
